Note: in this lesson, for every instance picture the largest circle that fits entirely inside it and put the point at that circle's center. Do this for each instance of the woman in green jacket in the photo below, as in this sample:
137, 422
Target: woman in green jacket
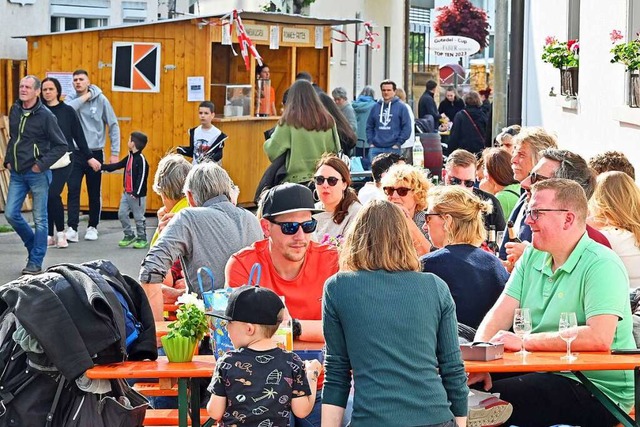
304, 133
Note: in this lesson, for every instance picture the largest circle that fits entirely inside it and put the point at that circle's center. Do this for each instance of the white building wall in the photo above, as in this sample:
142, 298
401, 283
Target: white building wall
16, 20
595, 125
381, 13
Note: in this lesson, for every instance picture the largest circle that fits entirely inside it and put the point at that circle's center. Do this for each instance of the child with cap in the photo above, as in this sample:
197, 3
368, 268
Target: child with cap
259, 384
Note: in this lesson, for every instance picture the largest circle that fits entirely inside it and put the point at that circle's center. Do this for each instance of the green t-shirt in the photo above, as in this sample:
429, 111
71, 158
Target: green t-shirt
508, 198
593, 281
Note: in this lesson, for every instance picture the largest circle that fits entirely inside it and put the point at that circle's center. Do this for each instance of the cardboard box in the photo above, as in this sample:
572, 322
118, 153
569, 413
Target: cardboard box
482, 351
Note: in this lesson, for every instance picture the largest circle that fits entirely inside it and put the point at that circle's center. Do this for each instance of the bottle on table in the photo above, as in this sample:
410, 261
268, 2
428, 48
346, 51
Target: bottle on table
512, 233
491, 240
418, 153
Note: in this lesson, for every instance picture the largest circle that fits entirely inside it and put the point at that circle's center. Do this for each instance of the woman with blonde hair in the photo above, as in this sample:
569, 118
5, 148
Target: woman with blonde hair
614, 210
407, 187
303, 134
337, 198
476, 278
379, 279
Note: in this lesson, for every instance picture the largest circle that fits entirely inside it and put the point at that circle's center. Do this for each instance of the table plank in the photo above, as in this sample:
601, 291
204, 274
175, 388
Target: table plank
200, 367
551, 362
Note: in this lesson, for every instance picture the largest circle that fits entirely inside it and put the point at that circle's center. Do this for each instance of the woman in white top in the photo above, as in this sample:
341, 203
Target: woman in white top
614, 209
337, 198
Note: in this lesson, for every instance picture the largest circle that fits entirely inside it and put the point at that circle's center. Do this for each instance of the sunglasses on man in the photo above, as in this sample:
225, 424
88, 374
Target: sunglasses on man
536, 177
457, 181
291, 228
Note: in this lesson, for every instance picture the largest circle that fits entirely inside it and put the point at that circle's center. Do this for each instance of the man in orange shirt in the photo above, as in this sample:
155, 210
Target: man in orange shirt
292, 265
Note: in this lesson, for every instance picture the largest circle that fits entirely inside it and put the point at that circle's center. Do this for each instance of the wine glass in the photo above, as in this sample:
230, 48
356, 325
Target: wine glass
522, 327
568, 328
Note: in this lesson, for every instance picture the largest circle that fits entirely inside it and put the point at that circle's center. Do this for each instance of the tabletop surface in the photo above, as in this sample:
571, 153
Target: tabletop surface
551, 362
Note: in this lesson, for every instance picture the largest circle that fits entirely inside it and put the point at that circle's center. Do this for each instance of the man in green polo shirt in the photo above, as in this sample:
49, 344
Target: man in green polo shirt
563, 270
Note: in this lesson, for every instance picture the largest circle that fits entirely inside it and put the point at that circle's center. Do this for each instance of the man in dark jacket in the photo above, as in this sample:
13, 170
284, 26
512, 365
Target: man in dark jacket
36, 142
427, 105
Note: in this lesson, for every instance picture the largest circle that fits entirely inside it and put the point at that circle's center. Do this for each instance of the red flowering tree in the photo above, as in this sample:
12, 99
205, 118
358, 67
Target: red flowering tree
462, 18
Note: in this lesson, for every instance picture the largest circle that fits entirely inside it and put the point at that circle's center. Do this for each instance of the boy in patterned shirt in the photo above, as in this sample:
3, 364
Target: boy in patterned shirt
259, 384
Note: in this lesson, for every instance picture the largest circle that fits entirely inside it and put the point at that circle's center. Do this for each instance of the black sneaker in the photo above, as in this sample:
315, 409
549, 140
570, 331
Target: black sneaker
32, 269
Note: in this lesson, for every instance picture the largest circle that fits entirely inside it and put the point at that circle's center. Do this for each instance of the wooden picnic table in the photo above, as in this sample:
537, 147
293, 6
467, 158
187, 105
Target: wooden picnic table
552, 362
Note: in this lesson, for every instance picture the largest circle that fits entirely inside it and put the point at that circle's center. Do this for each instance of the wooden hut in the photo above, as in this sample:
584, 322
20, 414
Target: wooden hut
159, 58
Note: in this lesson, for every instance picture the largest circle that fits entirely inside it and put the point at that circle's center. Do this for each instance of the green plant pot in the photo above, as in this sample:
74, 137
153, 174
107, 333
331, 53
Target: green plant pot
179, 348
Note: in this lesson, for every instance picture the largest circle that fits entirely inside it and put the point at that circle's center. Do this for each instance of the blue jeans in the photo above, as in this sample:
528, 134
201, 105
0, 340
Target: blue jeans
374, 151
19, 186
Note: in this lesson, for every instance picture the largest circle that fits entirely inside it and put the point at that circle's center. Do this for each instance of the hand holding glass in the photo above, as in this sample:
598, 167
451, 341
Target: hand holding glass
568, 328
522, 326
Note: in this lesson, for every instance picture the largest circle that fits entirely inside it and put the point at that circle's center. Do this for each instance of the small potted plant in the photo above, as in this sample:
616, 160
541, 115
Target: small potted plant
628, 54
565, 57
185, 332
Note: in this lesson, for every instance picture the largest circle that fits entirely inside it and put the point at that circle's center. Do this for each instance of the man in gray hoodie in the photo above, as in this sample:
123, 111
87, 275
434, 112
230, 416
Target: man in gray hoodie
95, 113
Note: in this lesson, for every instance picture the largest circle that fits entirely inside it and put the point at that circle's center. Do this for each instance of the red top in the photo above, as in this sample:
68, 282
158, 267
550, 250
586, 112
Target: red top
598, 236
303, 295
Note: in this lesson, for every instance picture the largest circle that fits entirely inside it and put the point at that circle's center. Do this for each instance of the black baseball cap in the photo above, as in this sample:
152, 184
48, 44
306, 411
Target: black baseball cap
252, 304
287, 198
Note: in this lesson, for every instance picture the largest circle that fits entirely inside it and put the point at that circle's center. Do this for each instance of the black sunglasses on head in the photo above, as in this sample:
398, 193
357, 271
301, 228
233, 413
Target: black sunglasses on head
290, 228
331, 180
457, 181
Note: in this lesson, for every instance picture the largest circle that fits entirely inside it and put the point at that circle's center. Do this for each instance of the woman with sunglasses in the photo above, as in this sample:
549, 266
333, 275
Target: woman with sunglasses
406, 186
498, 179
614, 210
337, 198
379, 300
476, 278
303, 134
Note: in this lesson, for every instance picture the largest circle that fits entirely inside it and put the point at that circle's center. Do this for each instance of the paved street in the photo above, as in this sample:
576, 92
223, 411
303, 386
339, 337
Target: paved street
13, 254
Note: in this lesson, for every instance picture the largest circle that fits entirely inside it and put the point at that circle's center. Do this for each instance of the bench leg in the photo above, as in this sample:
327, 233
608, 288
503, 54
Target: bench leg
195, 402
182, 402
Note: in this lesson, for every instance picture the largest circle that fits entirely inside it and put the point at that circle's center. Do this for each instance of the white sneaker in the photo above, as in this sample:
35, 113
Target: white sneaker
72, 235
91, 234
61, 240
51, 241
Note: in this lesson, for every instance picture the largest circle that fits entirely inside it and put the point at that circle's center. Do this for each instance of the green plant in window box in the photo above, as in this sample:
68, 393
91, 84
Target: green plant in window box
626, 53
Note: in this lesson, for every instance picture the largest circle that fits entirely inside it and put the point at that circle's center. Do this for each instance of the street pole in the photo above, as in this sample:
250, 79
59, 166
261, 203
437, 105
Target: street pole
500, 67
516, 63
407, 63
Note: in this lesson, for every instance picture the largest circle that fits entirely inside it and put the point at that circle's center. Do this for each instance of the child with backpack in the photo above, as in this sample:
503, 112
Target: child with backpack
134, 197
258, 383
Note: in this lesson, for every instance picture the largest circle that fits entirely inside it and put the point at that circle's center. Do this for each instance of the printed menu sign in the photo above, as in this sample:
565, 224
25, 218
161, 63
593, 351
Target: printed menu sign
295, 35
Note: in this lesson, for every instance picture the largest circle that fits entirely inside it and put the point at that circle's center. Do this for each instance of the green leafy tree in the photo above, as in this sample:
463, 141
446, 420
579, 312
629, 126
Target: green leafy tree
462, 18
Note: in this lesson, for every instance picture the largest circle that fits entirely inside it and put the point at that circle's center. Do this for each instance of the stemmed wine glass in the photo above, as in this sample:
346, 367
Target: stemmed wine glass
522, 327
568, 328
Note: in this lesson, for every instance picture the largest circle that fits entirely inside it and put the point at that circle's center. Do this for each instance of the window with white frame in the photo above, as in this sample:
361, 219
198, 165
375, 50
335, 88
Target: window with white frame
69, 15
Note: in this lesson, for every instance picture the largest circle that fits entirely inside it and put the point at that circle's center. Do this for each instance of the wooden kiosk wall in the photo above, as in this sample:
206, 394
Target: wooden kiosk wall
187, 49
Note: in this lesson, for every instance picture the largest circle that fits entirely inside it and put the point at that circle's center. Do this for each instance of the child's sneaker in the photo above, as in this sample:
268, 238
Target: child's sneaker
61, 240
140, 244
126, 241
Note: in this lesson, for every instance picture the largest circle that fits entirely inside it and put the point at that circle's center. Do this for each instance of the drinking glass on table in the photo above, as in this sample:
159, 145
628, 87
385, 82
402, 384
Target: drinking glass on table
568, 328
522, 327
